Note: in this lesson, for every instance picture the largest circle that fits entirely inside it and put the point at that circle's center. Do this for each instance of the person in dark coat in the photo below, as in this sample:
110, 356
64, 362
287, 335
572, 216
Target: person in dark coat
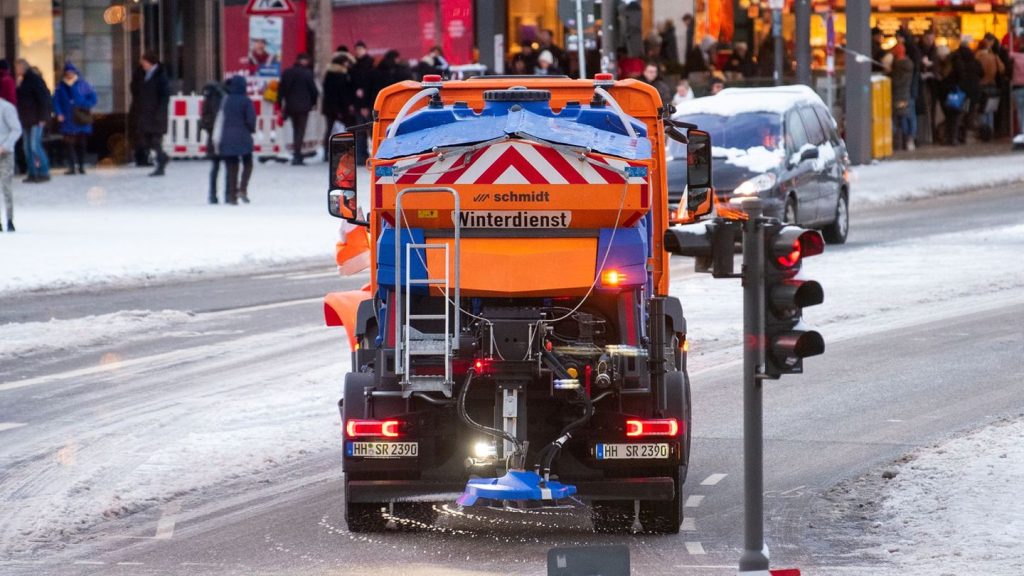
154, 101
73, 102
232, 138
297, 94
339, 94
213, 98
965, 74
389, 71
34, 112
652, 77
139, 151
362, 80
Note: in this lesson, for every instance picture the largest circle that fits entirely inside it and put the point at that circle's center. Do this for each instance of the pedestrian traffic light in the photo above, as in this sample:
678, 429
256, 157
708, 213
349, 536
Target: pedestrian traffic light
787, 341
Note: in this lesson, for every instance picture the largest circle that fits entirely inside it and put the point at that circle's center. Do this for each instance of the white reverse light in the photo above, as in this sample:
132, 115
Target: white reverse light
484, 450
755, 185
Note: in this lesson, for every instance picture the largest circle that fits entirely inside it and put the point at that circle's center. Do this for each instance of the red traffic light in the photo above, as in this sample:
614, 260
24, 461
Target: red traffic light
793, 243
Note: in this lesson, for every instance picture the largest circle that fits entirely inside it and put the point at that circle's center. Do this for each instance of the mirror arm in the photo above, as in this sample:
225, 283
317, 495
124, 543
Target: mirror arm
676, 135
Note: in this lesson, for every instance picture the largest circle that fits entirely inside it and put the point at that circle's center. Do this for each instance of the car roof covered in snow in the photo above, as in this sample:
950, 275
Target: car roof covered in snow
777, 99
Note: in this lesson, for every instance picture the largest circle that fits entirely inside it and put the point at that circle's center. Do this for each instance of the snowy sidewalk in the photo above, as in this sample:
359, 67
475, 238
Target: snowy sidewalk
116, 225
957, 508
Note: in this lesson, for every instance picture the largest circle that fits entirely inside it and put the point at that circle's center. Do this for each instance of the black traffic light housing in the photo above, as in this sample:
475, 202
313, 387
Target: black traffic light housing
787, 341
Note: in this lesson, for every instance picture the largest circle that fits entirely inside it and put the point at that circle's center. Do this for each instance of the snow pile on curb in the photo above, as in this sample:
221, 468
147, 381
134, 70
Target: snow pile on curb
957, 508
67, 335
901, 180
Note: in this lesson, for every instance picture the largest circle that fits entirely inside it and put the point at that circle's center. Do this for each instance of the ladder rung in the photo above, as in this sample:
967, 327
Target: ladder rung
415, 352
427, 317
427, 281
427, 246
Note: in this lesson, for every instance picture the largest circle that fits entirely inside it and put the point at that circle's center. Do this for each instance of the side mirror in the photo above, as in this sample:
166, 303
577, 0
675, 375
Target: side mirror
342, 195
699, 191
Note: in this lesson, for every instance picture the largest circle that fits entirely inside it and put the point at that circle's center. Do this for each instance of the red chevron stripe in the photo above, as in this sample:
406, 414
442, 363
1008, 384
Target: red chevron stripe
511, 158
451, 176
561, 165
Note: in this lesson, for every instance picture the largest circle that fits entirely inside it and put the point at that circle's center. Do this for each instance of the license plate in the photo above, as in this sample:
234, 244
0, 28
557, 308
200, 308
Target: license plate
631, 451
382, 449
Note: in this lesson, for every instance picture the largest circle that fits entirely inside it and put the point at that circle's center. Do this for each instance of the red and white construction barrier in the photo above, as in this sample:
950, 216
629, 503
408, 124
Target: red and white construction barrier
272, 139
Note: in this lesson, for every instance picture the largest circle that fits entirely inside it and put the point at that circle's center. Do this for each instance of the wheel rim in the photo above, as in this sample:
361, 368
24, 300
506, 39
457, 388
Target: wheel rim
842, 217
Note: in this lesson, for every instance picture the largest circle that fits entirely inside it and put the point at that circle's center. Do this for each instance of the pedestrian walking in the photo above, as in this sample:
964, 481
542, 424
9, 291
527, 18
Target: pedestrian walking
140, 153
297, 94
34, 104
154, 101
339, 95
390, 70
73, 102
963, 88
8, 88
903, 108
10, 131
233, 140
213, 98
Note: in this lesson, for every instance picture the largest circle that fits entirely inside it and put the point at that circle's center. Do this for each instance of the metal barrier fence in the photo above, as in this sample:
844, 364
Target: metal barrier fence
271, 141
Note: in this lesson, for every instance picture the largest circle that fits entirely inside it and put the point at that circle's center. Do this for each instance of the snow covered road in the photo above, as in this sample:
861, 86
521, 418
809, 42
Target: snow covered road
202, 439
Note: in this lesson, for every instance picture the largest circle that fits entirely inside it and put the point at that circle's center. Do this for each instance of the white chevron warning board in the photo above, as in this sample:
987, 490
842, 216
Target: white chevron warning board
269, 7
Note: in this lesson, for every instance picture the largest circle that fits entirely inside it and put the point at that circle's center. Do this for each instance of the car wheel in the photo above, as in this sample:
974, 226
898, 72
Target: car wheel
789, 215
835, 233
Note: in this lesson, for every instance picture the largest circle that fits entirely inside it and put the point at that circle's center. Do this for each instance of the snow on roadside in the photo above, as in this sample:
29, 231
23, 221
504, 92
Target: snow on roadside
895, 181
68, 335
957, 508
117, 225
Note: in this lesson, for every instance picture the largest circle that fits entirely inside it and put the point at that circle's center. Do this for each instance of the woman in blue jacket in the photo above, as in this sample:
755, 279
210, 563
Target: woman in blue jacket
73, 102
232, 135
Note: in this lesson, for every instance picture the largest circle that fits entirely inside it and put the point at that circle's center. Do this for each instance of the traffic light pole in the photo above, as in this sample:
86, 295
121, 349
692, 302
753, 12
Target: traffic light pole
755, 558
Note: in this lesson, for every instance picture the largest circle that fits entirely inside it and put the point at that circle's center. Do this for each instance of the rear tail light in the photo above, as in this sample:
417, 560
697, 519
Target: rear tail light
646, 428
371, 428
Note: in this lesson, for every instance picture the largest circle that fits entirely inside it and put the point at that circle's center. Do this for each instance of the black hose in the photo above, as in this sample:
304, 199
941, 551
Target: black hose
464, 415
548, 454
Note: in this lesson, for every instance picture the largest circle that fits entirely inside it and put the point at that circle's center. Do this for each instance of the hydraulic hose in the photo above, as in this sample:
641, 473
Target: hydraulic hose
548, 454
464, 415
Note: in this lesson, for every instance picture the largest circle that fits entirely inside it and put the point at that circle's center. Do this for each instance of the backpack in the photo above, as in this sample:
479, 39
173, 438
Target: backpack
213, 96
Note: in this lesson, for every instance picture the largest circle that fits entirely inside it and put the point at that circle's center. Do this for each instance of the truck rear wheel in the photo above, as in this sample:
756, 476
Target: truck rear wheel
360, 516
664, 517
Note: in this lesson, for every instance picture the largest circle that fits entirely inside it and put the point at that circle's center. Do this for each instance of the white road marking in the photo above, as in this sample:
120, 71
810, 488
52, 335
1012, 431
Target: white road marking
130, 563
894, 420
694, 501
689, 524
174, 356
792, 490
713, 479
261, 307
313, 275
269, 276
10, 425
165, 526
89, 563
695, 548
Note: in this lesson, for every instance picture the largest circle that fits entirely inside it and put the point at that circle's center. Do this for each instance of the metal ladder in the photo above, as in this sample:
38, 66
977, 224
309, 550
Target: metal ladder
409, 341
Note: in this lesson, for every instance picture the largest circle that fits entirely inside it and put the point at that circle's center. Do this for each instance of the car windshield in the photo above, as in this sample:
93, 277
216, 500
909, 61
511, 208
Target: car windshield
740, 131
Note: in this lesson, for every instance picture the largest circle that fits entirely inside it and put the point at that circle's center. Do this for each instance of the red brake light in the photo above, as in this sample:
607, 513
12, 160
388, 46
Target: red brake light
661, 427
364, 428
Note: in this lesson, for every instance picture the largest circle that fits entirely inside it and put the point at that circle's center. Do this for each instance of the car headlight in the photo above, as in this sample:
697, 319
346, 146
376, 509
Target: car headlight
755, 185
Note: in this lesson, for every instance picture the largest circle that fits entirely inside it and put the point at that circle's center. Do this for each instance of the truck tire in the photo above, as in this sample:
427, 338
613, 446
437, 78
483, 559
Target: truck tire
663, 517
360, 516
678, 391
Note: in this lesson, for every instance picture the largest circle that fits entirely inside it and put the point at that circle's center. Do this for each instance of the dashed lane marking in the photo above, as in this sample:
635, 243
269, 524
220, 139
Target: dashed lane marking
130, 564
261, 307
89, 563
165, 526
694, 501
695, 548
689, 524
10, 425
713, 479
314, 275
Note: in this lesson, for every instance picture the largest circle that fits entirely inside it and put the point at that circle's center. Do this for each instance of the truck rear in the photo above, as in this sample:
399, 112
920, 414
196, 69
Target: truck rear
516, 333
